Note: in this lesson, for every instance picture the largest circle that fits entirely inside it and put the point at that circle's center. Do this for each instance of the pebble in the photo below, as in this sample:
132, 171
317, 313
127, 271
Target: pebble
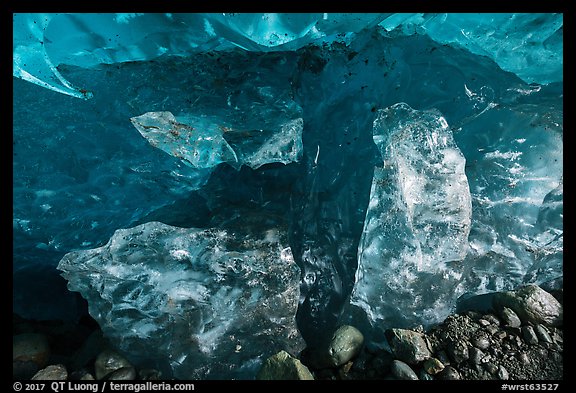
458, 351
401, 370
480, 341
529, 335
407, 345
424, 376
493, 319
449, 373
524, 358
492, 329
346, 343
542, 333
502, 373
491, 368
55, 372
109, 361
476, 355
483, 322
283, 366
122, 374
433, 366
510, 318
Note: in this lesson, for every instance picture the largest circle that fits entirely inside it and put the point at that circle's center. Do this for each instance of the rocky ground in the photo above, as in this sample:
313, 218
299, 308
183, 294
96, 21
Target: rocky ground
521, 338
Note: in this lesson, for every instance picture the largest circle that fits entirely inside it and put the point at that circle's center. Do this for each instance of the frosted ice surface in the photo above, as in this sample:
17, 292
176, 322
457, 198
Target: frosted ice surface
418, 220
203, 302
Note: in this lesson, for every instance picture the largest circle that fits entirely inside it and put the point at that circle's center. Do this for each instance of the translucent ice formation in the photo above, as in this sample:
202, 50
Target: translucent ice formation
418, 220
199, 303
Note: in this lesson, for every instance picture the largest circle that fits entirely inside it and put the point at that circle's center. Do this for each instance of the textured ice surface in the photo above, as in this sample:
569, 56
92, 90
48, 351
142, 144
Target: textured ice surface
417, 223
208, 303
529, 45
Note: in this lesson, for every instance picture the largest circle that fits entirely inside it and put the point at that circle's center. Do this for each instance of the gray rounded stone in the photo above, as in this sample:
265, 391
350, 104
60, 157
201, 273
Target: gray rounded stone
407, 345
448, 374
532, 304
346, 343
55, 372
109, 361
283, 366
401, 370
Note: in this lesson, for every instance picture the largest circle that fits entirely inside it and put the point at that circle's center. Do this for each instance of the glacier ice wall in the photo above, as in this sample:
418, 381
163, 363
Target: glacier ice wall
295, 97
208, 303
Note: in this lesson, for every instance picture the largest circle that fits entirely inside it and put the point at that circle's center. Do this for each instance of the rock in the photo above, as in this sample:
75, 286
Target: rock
424, 376
529, 335
510, 318
483, 322
524, 358
491, 368
149, 374
542, 334
458, 351
532, 304
492, 329
30, 353
443, 357
493, 319
56, 372
401, 370
480, 341
109, 361
283, 366
476, 355
407, 345
433, 366
502, 373
122, 374
346, 343
448, 374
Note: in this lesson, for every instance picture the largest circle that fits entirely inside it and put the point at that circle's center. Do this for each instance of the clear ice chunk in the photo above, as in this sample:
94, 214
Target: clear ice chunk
199, 303
199, 145
417, 223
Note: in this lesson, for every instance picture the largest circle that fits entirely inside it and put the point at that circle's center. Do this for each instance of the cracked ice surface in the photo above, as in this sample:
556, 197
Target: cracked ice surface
210, 303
